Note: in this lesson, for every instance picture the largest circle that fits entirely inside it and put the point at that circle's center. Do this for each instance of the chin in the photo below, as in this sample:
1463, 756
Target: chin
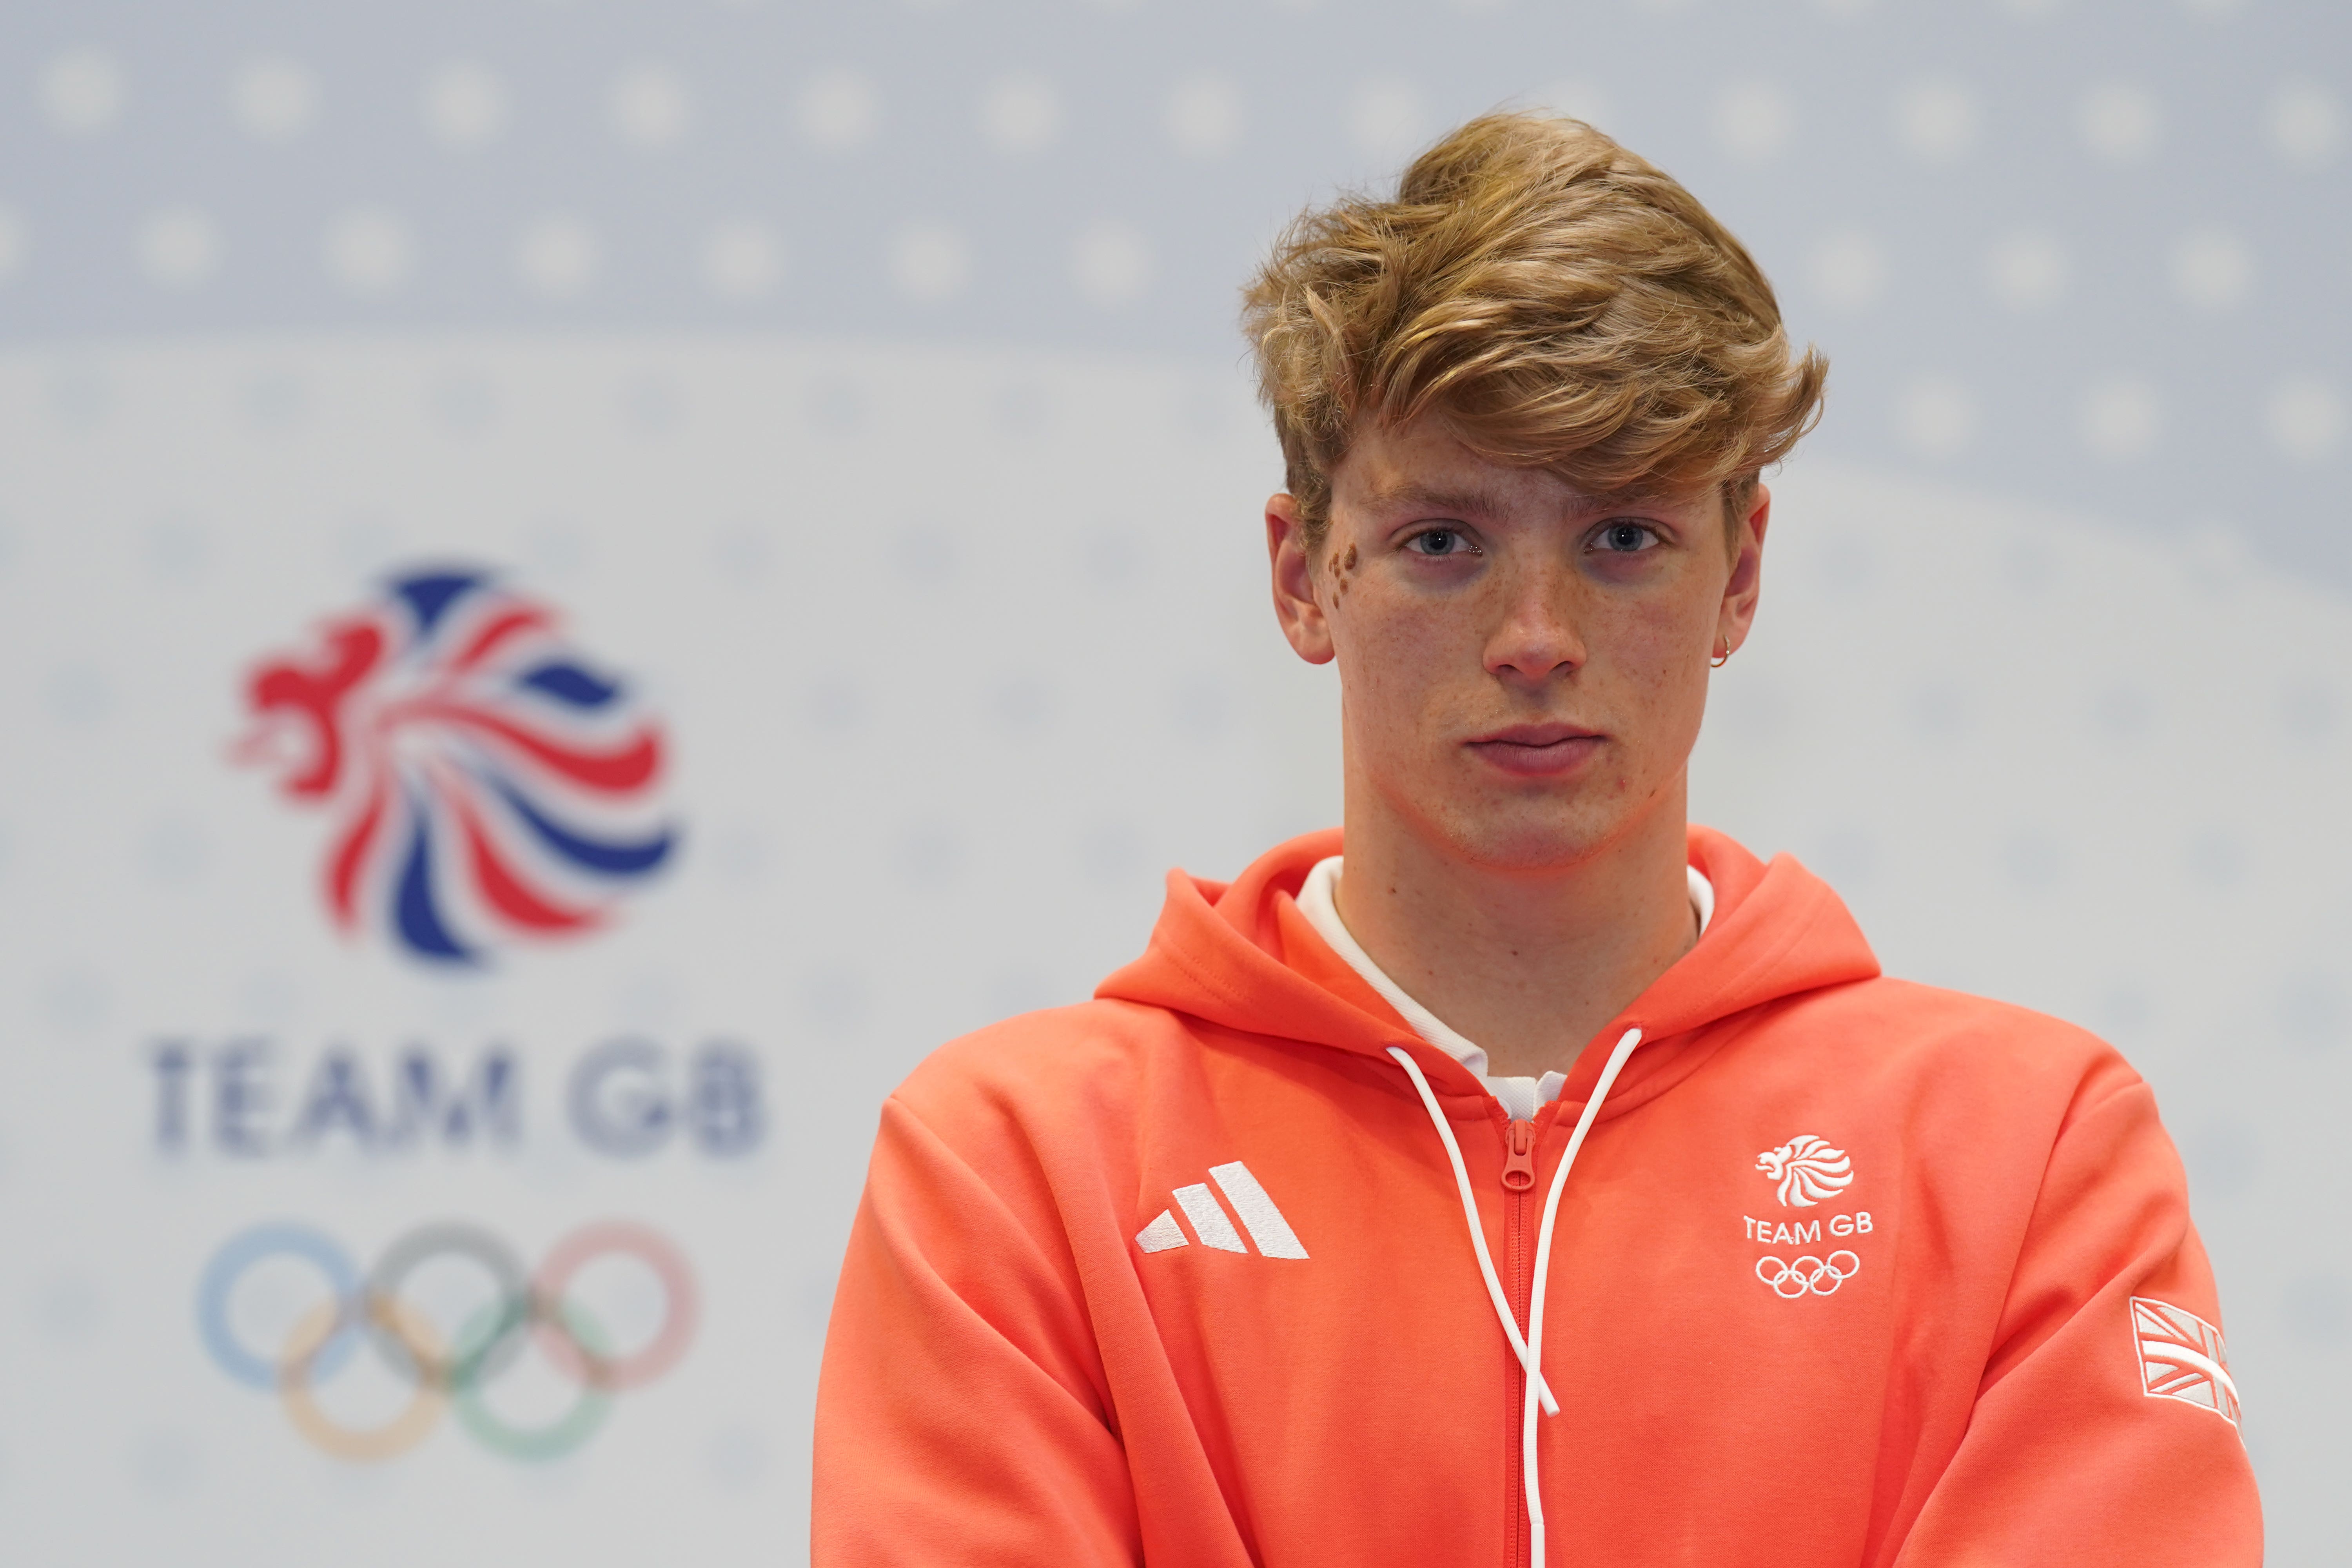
1523, 836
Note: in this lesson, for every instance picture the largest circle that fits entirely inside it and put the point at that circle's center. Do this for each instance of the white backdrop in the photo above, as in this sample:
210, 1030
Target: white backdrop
937, 725
858, 384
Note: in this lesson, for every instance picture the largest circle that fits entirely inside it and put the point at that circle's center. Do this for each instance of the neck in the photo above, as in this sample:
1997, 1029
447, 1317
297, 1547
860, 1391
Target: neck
1527, 965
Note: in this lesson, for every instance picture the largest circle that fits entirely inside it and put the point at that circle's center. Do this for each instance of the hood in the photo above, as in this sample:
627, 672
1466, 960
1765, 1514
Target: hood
1241, 955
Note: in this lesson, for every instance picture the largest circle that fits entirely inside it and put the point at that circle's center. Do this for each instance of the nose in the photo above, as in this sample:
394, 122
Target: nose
1536, 636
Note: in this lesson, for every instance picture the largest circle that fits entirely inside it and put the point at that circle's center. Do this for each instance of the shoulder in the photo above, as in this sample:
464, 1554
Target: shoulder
1957, 1048
1980, 1113
1039, 1117
1062, 1066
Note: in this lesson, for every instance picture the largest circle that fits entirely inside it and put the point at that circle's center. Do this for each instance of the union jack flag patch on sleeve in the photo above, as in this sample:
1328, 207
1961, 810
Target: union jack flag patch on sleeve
2182, 1357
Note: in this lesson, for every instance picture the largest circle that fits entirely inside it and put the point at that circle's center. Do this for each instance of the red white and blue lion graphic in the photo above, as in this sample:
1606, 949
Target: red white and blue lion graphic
485, 782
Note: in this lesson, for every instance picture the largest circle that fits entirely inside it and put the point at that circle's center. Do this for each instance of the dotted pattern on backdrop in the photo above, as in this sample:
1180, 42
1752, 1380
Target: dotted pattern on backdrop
2053, 246
1948, 708
888, 835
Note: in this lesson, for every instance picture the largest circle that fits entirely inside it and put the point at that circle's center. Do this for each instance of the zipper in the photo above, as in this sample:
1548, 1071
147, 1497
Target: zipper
1519, 1156
1518, 1180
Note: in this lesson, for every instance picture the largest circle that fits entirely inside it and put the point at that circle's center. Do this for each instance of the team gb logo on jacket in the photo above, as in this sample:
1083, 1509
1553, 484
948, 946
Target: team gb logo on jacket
487, 784
1807, 1169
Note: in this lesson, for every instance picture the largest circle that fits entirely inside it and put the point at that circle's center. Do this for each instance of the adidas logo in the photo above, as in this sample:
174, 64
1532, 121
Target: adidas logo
1209, 1222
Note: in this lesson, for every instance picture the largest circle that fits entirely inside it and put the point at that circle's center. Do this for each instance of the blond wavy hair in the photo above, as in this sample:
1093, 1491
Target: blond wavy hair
1556, 300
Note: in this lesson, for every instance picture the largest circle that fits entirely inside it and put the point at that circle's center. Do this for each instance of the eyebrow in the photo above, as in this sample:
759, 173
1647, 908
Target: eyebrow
1419, 495
1470, 501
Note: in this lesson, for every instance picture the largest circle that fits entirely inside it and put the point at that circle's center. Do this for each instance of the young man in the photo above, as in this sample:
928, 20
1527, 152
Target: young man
1541, 1178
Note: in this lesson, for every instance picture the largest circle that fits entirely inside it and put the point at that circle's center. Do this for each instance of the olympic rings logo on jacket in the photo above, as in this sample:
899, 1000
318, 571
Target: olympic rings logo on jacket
1820, 1277
370, 1312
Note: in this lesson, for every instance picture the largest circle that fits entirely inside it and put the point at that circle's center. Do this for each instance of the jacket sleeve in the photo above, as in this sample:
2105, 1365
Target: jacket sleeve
2105, 1428
961, 1412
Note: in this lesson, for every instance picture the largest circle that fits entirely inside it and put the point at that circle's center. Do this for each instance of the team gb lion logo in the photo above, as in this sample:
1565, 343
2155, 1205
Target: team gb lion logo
489, 784
1808, 1169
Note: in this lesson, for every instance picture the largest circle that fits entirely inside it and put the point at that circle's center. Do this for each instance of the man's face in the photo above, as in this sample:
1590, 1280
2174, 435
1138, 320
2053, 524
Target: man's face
1522, 667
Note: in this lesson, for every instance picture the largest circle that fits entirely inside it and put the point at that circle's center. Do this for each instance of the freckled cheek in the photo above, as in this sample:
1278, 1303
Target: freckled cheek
1645, 671
1397, 667
1654, 645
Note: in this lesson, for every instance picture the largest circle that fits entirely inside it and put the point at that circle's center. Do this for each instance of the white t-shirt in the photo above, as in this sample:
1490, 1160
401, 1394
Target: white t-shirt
1521, 1096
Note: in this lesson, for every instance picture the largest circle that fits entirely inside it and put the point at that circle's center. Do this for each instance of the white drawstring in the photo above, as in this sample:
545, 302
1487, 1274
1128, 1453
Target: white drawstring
1529, 1472
1528, 1349
1477, 1232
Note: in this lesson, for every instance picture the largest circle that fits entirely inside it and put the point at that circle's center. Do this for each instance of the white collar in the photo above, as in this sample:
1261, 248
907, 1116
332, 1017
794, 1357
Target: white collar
1521, 1096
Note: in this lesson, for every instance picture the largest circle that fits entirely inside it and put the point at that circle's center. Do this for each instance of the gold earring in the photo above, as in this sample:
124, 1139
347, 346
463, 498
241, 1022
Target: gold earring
1726, 659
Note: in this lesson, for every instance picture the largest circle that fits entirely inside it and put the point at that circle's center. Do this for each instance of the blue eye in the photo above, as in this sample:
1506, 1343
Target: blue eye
1625, 538
1439, 542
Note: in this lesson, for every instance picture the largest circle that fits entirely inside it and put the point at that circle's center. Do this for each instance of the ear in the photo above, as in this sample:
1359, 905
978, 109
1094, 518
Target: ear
1295, 604
1745, 583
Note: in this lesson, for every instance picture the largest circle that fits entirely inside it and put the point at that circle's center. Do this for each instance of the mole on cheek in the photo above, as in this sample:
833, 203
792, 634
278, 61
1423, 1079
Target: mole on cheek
1341, 567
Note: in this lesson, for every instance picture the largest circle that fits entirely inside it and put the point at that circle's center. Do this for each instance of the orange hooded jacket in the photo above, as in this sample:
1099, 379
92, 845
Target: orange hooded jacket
1847, 1270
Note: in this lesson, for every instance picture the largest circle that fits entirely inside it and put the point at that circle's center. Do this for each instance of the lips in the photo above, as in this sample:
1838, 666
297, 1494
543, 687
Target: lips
1538, 749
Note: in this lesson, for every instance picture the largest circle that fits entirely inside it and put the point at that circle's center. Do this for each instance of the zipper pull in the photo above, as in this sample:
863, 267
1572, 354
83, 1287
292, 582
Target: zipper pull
1520, 1167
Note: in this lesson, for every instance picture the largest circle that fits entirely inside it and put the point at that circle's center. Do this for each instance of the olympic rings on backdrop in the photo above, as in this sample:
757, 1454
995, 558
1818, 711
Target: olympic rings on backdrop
229, 1264
575, 1252
498, 1348
1821, 1277
369, 1310
317, 1329
568, 1431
